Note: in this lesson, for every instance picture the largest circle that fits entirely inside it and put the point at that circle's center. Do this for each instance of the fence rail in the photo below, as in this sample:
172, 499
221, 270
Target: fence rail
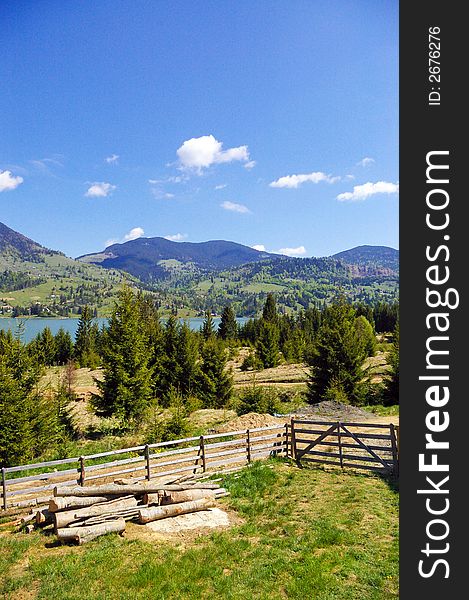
343, 444
206, 453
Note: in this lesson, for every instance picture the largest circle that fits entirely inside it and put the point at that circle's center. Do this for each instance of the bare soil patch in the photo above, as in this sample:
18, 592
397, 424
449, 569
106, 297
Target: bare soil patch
250, 421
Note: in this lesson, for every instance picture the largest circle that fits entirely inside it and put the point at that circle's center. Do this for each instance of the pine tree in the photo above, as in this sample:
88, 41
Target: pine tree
45, 347
63, 347
268, 344
338, 357
269, 312
126, 386
85, 340
366, 335
391, 395
27, 426
208, 329
228, 328
216, 384
165, 361
187, 359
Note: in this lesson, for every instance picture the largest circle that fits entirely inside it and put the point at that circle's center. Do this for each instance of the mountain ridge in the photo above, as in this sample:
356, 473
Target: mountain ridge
186, 278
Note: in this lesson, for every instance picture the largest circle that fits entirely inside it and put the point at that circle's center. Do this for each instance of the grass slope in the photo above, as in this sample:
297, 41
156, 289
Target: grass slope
306, 534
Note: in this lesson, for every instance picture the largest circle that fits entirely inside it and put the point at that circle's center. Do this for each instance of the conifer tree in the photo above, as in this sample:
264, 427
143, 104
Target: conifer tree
208, 329
216, 384
187, 360
338, 356
366, 335
85, 340
63, 347
269, 312
268, 344
27, 426
391, 395
126, 386
228, 328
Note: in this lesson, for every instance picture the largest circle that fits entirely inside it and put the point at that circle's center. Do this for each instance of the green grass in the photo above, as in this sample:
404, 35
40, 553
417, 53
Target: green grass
383, 411
306, 534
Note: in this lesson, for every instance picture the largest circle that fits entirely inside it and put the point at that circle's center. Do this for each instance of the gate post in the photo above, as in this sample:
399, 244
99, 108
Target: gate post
340, 444
293, 442
395, 452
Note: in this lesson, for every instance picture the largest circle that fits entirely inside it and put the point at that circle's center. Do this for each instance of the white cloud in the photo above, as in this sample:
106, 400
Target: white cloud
294, 181
112, 159
234, 207
221, 186
45, 164
177, 237
300, 251
250, 165
100, 190
365, 162
160, 195
364, 191
8, 181
202, 152
135, 233
259, 247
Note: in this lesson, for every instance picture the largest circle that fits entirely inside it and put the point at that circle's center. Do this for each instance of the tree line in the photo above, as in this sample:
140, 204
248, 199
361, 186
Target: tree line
147, 363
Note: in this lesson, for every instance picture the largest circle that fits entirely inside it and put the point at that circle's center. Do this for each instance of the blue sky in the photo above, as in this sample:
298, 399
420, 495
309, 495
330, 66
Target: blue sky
269, 123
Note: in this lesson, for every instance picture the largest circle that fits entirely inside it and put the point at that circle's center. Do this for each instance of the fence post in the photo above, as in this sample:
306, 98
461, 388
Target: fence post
286, 439
147, 460
395, 452
4, 489
81, 470
248, 445
340, 444
293, 441
202, 453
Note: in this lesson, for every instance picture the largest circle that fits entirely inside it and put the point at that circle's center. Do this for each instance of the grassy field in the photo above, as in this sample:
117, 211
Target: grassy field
301, 533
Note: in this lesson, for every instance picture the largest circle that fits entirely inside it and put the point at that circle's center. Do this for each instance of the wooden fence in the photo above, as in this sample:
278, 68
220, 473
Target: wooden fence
359, 445
205, 453
369, 446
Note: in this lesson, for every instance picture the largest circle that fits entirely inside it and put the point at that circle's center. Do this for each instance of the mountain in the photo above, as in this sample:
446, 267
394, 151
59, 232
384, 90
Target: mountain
186, 278
365, 259
156, 258
37, 281
17, 246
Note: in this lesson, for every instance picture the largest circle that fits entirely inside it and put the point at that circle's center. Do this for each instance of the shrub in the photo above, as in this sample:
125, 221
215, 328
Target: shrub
258, 399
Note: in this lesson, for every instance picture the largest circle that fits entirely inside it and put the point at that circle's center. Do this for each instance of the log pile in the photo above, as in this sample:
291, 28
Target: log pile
81, 514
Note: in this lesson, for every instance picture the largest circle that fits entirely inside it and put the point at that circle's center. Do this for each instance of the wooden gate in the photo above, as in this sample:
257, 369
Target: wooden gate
370, 446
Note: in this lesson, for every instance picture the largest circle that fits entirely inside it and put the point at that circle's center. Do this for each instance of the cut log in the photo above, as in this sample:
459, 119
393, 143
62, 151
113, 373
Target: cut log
126, 514
14, 523
44, 517
152, 499
202, 486
62, 519
113, 489
85, 534
155, 513
57, 504
186, 496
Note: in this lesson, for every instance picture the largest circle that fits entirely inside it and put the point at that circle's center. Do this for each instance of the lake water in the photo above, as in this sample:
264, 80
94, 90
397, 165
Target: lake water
34, 326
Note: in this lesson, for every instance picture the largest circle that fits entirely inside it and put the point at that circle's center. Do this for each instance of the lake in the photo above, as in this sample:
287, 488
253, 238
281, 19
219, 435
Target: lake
34, 326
